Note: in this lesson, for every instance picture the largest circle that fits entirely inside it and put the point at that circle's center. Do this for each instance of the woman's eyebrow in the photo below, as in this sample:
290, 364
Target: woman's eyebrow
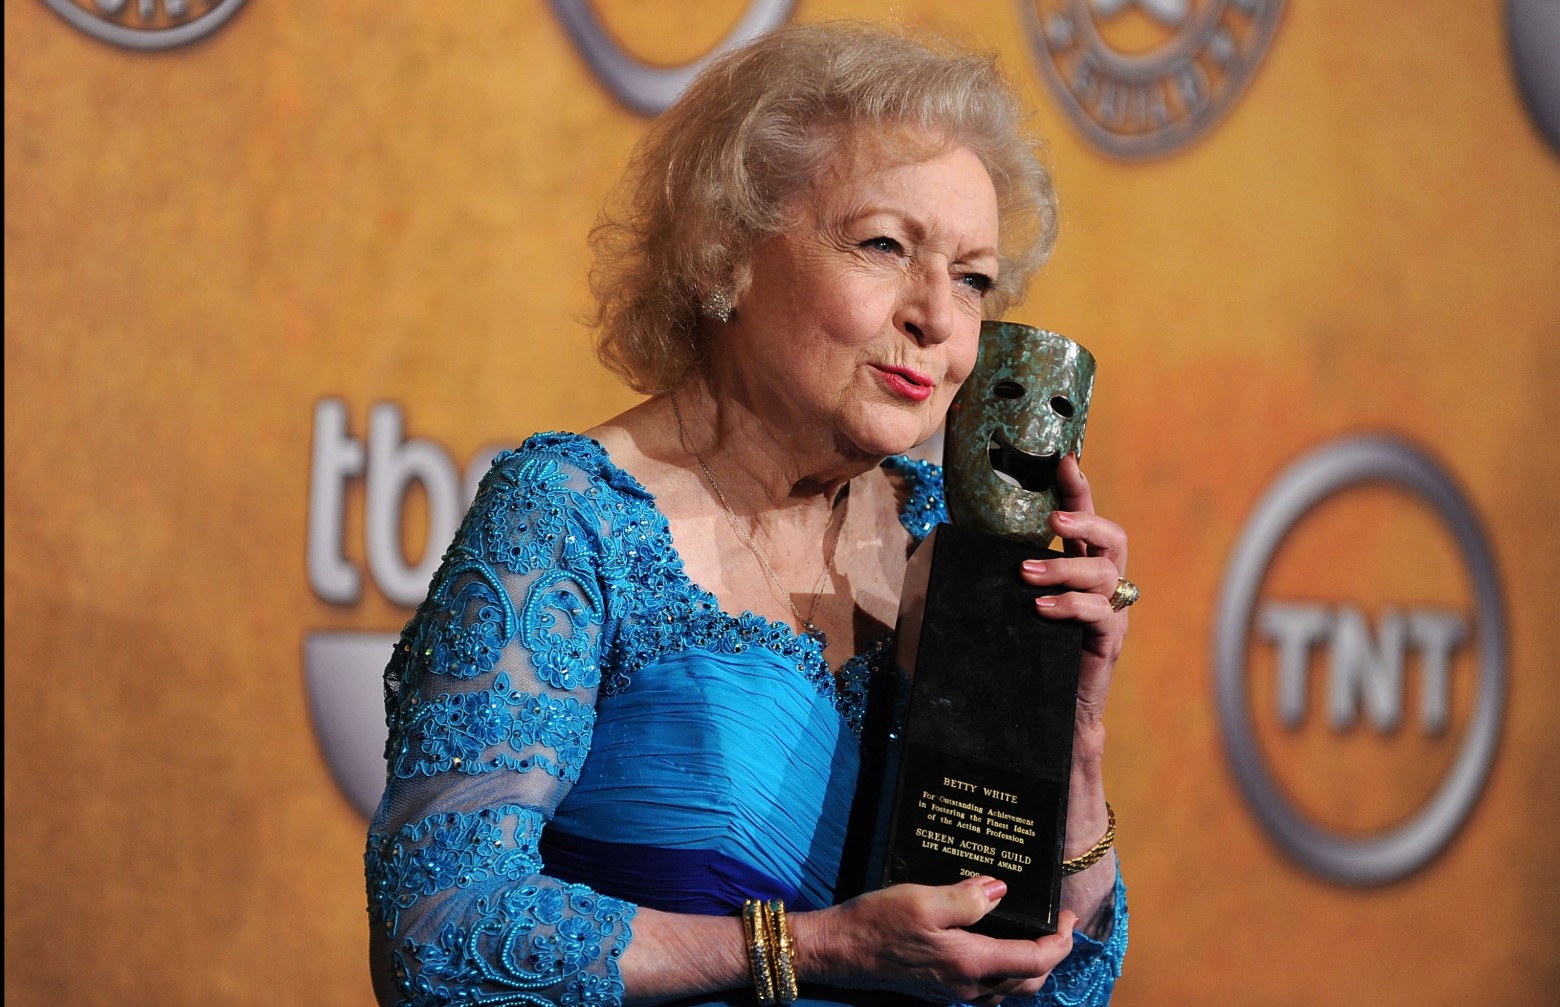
864, 210
916, 230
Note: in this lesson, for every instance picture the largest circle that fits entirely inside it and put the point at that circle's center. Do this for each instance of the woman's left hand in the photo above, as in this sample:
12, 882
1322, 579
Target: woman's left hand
1095, 559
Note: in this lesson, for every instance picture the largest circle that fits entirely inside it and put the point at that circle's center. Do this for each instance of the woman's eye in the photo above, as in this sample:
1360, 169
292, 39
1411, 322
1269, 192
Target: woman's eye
979, 282
882, 244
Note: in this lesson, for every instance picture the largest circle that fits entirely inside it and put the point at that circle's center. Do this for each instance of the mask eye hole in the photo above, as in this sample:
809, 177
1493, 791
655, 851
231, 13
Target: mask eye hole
1062, 406
1007, 389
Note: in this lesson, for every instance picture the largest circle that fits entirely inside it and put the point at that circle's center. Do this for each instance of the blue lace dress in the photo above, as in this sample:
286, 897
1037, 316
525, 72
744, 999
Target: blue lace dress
577, 729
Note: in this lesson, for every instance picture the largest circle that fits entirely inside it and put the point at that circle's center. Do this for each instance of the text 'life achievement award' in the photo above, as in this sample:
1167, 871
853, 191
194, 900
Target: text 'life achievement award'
986, 750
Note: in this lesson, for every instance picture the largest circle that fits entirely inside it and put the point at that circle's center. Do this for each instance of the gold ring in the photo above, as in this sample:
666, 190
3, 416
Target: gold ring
1126, 593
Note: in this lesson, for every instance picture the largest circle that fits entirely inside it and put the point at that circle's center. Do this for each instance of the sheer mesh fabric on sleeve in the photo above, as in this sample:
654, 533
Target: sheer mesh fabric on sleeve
490, 699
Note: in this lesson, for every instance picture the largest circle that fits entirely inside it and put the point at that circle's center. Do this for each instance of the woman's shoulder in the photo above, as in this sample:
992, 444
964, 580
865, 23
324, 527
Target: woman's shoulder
918, 487
555, 501
558, 460
557, 446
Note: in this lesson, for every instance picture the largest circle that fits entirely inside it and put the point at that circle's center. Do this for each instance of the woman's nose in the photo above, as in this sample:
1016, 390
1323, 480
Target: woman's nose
927, 313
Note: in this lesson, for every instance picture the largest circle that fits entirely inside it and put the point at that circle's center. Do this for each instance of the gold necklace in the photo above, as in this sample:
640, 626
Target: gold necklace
809, 628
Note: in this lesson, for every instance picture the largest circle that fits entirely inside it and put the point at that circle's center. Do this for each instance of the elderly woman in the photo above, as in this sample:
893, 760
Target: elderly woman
595, 763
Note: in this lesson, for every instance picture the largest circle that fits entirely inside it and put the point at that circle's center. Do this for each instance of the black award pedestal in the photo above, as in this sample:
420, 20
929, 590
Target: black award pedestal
985, 755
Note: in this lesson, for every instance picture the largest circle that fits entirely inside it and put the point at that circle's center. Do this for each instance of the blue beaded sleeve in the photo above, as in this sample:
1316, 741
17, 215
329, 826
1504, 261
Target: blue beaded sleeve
490, 698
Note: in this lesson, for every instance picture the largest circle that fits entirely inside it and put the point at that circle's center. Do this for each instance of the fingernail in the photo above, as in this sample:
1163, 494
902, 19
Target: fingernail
1045, 601
1062, 517
995, 889
1034, 566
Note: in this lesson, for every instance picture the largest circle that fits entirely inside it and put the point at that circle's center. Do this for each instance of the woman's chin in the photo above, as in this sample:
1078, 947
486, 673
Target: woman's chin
883, 440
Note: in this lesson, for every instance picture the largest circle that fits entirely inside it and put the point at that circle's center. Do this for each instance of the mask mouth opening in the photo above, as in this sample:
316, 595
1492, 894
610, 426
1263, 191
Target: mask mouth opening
1035, 473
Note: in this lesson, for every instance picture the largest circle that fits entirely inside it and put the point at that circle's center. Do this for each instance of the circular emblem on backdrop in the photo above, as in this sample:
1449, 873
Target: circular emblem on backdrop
1382, 671
1144, 78
1533, 32
146, 24
643, 87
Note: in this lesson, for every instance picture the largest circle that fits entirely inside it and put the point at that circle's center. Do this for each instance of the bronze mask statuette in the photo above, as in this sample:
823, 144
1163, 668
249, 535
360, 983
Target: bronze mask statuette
1023, 408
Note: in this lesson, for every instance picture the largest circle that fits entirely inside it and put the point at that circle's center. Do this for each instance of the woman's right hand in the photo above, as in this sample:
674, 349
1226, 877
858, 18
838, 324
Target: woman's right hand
909, 939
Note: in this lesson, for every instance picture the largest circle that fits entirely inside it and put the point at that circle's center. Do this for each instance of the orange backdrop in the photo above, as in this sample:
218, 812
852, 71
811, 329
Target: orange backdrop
367, 203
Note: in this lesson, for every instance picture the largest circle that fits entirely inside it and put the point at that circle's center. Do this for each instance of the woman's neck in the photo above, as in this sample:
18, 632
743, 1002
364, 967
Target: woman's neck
762, 464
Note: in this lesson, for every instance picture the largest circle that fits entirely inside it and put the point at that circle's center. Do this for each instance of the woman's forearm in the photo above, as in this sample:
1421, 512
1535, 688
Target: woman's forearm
673, 956
1089, 893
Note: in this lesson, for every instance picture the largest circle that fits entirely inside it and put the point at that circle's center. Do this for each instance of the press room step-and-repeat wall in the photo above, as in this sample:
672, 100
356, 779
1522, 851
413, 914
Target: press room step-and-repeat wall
280, 278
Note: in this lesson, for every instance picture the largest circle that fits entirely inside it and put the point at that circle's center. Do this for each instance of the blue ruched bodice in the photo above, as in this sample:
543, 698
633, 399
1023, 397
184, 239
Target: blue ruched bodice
577, 729
673, 768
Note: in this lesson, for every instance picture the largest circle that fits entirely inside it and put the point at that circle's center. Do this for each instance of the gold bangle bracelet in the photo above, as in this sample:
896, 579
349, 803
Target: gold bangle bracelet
784, 955
755, 924
1088, 858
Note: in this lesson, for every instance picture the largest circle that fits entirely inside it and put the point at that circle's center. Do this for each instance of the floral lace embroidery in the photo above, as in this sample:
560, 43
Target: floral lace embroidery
855, 680
456, 730
528, 513
446, 851
526, 938
563, 661
467, 649
926, 507
498, 671
529, 942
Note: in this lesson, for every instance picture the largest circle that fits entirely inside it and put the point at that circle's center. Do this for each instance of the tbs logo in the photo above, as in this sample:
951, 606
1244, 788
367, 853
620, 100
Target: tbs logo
342, 668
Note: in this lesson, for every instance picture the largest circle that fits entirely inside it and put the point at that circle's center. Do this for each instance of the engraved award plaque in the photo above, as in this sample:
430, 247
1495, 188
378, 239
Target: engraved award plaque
979, 777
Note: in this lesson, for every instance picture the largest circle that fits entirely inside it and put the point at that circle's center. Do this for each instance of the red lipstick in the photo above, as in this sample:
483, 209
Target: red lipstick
913, 385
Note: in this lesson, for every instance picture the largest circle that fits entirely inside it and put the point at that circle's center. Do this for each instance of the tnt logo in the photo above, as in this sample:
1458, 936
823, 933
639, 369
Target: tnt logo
1360, 660
1364, 663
